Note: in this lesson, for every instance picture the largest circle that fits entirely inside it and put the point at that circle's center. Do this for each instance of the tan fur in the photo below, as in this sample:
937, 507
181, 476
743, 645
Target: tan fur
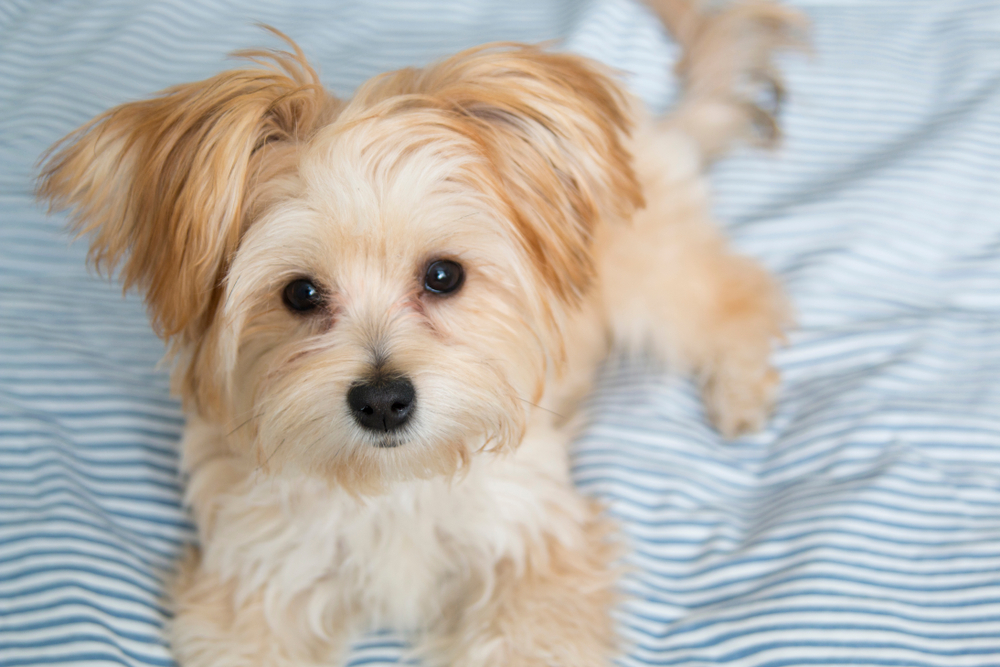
580, 223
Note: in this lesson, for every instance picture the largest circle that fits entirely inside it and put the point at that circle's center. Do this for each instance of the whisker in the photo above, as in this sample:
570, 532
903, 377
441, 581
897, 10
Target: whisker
249, 419
285, 439
313, 444
551, 412
271, 455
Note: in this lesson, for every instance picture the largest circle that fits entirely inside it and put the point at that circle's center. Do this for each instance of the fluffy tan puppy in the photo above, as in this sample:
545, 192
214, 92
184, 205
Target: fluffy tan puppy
384, 310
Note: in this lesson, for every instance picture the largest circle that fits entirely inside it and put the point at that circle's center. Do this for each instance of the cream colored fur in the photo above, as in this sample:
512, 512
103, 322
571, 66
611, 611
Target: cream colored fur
581, 224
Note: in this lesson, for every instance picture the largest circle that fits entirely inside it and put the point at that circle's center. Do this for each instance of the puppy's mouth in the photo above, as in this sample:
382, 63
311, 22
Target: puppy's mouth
389, 443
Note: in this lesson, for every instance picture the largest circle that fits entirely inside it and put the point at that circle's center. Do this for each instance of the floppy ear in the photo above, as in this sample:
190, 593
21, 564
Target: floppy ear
553, 125
162, 184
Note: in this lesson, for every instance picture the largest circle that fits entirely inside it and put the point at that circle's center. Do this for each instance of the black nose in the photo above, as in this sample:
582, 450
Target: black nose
382, 405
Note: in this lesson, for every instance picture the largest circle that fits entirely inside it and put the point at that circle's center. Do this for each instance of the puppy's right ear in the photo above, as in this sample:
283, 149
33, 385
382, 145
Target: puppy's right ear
163, 185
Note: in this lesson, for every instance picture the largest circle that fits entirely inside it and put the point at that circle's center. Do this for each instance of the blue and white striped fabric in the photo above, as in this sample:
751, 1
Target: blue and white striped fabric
861, 527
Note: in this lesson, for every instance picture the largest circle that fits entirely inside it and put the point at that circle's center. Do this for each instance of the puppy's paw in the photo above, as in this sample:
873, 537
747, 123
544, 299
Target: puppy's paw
728, 64
751, 317
740, 397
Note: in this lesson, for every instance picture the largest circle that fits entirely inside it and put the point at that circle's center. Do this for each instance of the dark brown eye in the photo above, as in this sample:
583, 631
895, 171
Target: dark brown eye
443, 276
302, 295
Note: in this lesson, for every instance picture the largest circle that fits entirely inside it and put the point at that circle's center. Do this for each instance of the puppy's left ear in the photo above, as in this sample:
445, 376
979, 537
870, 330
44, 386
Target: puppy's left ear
553, 126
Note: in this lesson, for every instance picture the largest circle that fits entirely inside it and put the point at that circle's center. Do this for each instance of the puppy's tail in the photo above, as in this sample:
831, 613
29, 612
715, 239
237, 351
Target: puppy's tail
731, 88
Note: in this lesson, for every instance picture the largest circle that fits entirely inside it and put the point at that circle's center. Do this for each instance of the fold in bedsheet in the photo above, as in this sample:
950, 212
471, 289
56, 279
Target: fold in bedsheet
861, 527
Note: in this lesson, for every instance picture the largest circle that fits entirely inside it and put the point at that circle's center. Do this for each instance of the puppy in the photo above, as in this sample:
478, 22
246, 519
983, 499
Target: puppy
383, 311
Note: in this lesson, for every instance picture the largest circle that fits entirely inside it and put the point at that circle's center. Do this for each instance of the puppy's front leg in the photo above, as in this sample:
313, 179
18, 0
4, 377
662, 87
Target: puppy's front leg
550, 611
672, 286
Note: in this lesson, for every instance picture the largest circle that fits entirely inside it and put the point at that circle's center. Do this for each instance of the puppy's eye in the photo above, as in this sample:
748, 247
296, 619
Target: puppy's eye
302, 295
443, 276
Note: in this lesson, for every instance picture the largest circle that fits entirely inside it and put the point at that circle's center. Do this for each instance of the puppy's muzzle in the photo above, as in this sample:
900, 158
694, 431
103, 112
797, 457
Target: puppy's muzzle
382, 405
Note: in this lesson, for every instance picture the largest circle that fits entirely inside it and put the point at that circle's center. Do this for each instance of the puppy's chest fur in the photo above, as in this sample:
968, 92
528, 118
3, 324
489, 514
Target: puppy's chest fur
400, 559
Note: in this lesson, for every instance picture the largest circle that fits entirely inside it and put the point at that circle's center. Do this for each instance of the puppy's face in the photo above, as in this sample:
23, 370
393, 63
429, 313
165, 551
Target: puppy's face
382, 320
371, 291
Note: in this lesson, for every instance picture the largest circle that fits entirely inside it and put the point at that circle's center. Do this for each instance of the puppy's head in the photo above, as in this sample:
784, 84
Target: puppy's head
370, 290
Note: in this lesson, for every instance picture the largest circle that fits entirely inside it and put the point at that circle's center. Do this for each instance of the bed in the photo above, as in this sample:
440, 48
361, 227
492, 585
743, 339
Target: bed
861, 527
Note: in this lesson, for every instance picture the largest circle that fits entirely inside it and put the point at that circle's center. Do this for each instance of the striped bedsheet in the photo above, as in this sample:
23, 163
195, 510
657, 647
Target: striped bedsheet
862, 527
